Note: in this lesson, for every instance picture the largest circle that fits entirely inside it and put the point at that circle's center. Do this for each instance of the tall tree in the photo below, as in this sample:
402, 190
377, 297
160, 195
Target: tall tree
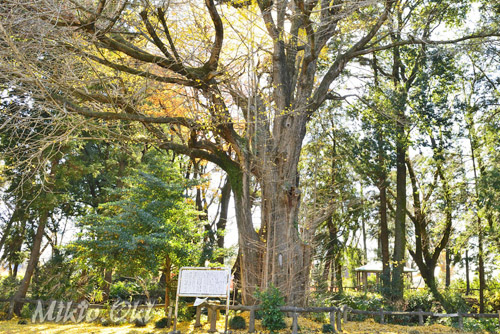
123, 50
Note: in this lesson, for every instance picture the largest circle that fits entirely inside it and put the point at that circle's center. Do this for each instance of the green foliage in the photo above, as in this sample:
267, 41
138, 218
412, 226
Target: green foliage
481, 325
27, 311
237, 322
327, 328
150, 220
420, 299
124, 289
270, 301
185, 312
456, 301
8, 287
162, 323
365, 302
140, 322
56, 279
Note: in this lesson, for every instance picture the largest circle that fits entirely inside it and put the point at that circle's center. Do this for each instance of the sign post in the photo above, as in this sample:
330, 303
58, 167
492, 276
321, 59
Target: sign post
203, 282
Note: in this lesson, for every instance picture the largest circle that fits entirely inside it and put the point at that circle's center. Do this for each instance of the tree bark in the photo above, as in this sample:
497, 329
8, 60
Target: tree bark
108, 277
251, 247
467, 279
167, 273
448, 269
384, 229
400, 223
221, 224
30, 268
480, 256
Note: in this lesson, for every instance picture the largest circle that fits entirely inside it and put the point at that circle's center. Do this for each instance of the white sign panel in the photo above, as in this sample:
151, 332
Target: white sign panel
203, 282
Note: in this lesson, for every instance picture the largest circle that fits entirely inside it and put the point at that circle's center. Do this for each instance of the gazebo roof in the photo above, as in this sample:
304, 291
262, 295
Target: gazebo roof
376, 267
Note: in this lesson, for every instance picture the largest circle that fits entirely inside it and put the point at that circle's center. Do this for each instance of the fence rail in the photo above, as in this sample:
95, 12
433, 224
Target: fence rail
337, 315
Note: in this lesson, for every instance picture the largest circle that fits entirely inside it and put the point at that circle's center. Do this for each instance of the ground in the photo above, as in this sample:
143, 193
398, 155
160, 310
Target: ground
307, 326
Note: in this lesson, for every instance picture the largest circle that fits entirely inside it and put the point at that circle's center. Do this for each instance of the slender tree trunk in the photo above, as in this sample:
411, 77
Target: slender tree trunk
482, 281
336, 255
167, 273
448, 269
8, 227
32, 263
467, 279
480, 255
221, 224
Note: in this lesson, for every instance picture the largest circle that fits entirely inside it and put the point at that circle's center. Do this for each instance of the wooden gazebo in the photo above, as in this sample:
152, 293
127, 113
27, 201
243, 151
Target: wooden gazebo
375, 267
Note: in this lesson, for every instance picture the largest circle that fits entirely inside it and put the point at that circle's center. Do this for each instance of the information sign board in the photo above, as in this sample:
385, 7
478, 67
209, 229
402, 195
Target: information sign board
203, 282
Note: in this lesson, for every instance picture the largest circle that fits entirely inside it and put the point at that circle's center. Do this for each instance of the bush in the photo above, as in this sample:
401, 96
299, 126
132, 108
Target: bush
456, 301
27, 311
8, 286
270, 301
419, 299
237, 322
185, 312
328, 328
124, 289
481, 325
162, 323
140, 322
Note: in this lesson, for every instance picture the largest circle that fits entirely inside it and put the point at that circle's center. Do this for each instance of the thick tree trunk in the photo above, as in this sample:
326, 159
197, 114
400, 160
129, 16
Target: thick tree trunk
287, 266
32, 263
251, 246
327, 269
338, 274
400, 223
108, 277
427, 272
384, 229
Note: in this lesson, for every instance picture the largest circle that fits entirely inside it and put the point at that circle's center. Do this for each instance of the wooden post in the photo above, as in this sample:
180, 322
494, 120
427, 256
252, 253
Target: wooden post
339, 321
176, 309
212, 316
382, 320
460, 321
344, 311
197, 323
169, 318
332, 320
420, 317
251, 321
295, 324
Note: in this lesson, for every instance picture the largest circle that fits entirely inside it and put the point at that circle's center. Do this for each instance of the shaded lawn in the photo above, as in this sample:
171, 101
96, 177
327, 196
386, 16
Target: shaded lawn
306, 325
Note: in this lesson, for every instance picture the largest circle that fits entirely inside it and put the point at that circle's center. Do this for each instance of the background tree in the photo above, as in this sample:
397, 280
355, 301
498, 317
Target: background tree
150, 227
121, 52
